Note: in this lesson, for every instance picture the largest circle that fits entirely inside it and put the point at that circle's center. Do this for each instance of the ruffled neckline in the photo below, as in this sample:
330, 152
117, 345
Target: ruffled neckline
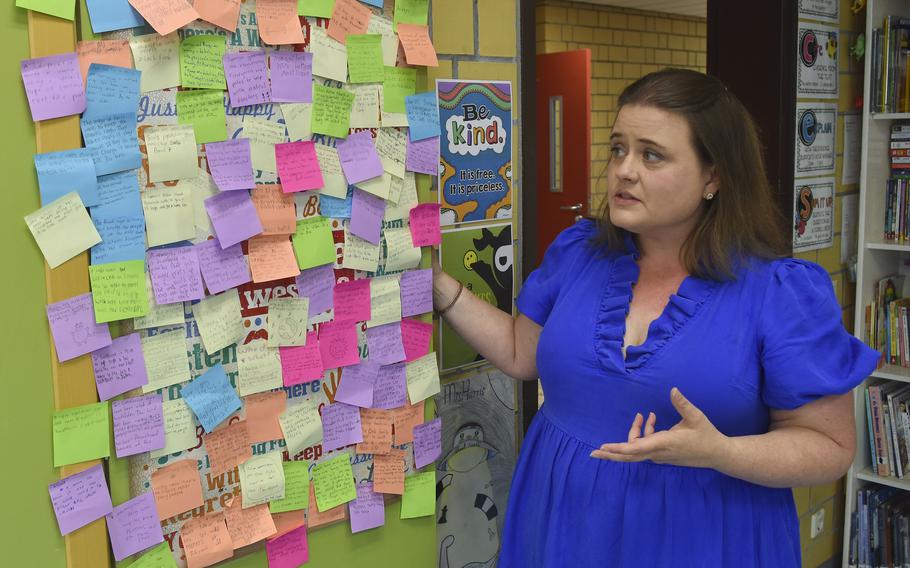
614, 308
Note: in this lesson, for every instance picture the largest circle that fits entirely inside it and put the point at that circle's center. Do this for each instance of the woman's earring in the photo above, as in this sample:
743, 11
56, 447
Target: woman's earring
709, 196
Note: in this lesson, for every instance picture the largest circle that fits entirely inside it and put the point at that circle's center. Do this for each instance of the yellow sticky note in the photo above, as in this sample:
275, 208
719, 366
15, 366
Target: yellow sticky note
365, 58
359, 254
258, 368
301, 425
262, 479
201, 188
118, 290
419, 499
158, 57
263, 135
203, 109
287, 321
200, 62
379, 186
331, 111
333, 482
313, 242
402, 198
423, 378
81, 434
165, 359
171, 152
62, 229
179, 428
158, 316
297, 117
296, 488
168, 214
383, 26
401, 253
365, 110
219, 321
336, 185
385, 300
330, 57
391, 145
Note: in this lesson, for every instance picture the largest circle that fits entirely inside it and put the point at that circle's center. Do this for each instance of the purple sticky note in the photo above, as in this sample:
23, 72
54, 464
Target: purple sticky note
138, 424
427, 442
222, 268
338, 344
385, 344
391, 387
234, 217
292, 76
416, 292
317, 284
80, 499
352, 300
119, 367
134, 526
359, 158
423, 156
340, 426
53, 85
74, 329
368, 510
357, 382
247, 78
231, 164
367, 211
175, 275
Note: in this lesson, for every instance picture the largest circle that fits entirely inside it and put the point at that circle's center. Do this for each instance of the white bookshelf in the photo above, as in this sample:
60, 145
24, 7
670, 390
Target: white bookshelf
877, 258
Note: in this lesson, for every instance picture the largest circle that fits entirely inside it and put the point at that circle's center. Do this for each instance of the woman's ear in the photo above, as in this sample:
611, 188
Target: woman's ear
712, 186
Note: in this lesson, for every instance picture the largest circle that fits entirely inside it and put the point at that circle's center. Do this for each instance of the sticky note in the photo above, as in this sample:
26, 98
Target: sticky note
62, 172
385, 299
423, 378
416, 292
352, 300
246, 524
348, 17
319, 8
338, 344
423, 156
118, 290
276, 209
158, 57
59, 8
272, 258
171, 152
303, 363
364, 57
112, 142
359, 254
287, 321
206, 540
74, 329
175, 275
165, 15
203, 109
219, 322
262, 479
423, 116
298, 119
334, 207
222, 268
119, 367
424, 223
168, 214
335, 184
53, 85
288, 551
258, 370
263, 409
107, 51
179, 428
419, 499
234, 217
122, 238
313, 242
385, 344
366, 216
415, 335
365, 110
400, 82
418, 48
411, 11
301, 425
223, 13
340, 426
330, 57
401, 253
62, 229
111, 90
201, 62
158, 316
138, 424
80, 499
383, 26
359, 159
177, 488
263, 135
391, 147
379, 186
165, 359
390, 389
157, 557
133, 526
427, 443
296, 485
278, 22
118, 195
333, 482
331, 111
287, 522
298, 166
402, 198
367, 510
247, 78
81, 433
291, 73
230, 163
228, 447
377, 431
316, 518
405, 419
317, 285
357, 382
388, 472
200, 188
211, 397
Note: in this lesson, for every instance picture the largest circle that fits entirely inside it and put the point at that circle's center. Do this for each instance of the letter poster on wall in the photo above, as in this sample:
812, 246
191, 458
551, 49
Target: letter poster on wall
475, 153
813, 213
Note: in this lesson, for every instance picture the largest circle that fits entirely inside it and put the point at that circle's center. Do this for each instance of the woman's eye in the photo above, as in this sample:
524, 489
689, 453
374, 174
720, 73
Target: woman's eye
616, 151
652, 156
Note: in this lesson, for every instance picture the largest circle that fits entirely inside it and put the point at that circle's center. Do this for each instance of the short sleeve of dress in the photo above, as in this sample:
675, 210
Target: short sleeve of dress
540, 290
806, 351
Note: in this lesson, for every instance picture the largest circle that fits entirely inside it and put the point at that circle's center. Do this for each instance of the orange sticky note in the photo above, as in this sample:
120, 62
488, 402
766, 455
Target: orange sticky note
278, 22
107, 51
418, 49
348, 17
339, 513
165, 15
222, 13
388, 472
177, 488
288, 521
250, 525
262, 412
275, 208
377, 431
228, 447
404, 419
272, 258
206, 540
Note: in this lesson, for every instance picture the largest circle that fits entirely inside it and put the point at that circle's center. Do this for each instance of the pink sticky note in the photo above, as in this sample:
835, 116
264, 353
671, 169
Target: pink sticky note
175, 274
348, 17
357, 382
222, 268
302, 363
391, 388
416, 338
425, 225
427, 442
288, 551
165, 15
278, 22
418, 49
80, 499
423, 156
138, 424
231, 164
338, 344
247, 77
368, 510
133, 526
298, 166
352, 300
53, 85
340, 426
416, 292
119, 367
74, 329
359, 159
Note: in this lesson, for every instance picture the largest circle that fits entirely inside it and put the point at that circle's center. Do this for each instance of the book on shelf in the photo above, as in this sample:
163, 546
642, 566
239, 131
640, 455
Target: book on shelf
879, 528
890, 52
888, 427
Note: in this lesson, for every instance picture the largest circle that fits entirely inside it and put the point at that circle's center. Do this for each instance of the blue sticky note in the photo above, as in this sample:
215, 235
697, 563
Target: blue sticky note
423, 116
375, 3
110, 90
62, 172
113, 143
118, 195
211, 397
108, 15
337, 208
122, 238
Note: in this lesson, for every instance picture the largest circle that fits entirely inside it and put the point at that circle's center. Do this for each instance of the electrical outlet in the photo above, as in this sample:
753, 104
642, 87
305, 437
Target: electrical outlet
818, 523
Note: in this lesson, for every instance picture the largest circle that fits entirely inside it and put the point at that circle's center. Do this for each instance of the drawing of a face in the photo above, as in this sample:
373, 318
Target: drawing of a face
289, 327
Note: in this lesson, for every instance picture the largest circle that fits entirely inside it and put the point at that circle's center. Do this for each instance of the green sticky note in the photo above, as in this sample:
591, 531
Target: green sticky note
333, 482
400, 82
204, 109
296, 488
419, 499
158, 557
65, 9
411, 12
317, 8
331, 111
313, 242
81, 434
118, 290
365, 58
200, 62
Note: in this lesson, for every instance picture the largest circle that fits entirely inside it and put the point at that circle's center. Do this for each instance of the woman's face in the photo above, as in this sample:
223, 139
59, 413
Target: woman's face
655, 181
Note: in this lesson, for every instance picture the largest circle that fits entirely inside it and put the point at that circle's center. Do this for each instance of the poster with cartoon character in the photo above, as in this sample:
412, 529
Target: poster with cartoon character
813, 214
815, 139
475, 150
479, 423
481, 259
816, 67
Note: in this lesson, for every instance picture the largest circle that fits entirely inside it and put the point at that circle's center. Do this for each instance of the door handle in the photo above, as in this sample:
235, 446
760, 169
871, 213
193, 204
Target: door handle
576, 207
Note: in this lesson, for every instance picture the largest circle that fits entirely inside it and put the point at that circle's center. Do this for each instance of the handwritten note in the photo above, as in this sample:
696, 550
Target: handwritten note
200, 61
423, 115
158, 316
296, 482
416, 292
368, 510
400, 82
53, 85
360, 254
272, 258
333, 482
81, 433
165, 15
259, 369
175, 275
287, 321
298, 119
391, 147
340, 426
118, 195
106, 51
377, 431
179, 428
385, 297
427, 443
62, 229
336, 208
423, 378
133, 526
383, 26
330, 57
276, 210
365, 58
359, 159
206, 540
158, 57
313, 242
211, 397
352, 300
165, 359
203, 109
222, 268
228, 447
419, 499
278, 22
415, 335
367, 212
247, 78
112, 142
423, 156
119, 367
218, 319
402, 197
177, 488
74, 329
338, 344
138, 424
157, 557
365, 110
111, 90
316, 518
301, 425
168, 214
317, 285
385, 344
171, 152
122, 238
348, 17
331, 111
357, 382
391, 387
292, 77
263, 135
401, 252
223, 13
302, 364
411, 11
263, 409
405, 419
388, 472
262, 480
234, 217
200, 188
288, 551
80, 499
378, 186
335, 184
425, 225
118, 290
287, 522
247, 524
298, 166
418, 48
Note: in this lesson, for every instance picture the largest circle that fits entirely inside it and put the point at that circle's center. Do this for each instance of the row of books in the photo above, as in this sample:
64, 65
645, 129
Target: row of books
888, 427
890, 52
880, 528
887, 327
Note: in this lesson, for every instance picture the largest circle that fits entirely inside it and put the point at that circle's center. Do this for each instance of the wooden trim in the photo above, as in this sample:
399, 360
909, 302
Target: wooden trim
74, 383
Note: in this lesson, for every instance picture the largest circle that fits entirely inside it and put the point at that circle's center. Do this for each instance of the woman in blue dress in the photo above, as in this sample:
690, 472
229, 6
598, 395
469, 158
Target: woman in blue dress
692, 373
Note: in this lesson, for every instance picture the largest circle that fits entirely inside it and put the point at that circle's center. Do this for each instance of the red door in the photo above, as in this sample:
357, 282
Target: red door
563, 142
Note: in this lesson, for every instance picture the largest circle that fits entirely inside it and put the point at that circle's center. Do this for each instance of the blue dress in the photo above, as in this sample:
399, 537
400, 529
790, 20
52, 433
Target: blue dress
773, 338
